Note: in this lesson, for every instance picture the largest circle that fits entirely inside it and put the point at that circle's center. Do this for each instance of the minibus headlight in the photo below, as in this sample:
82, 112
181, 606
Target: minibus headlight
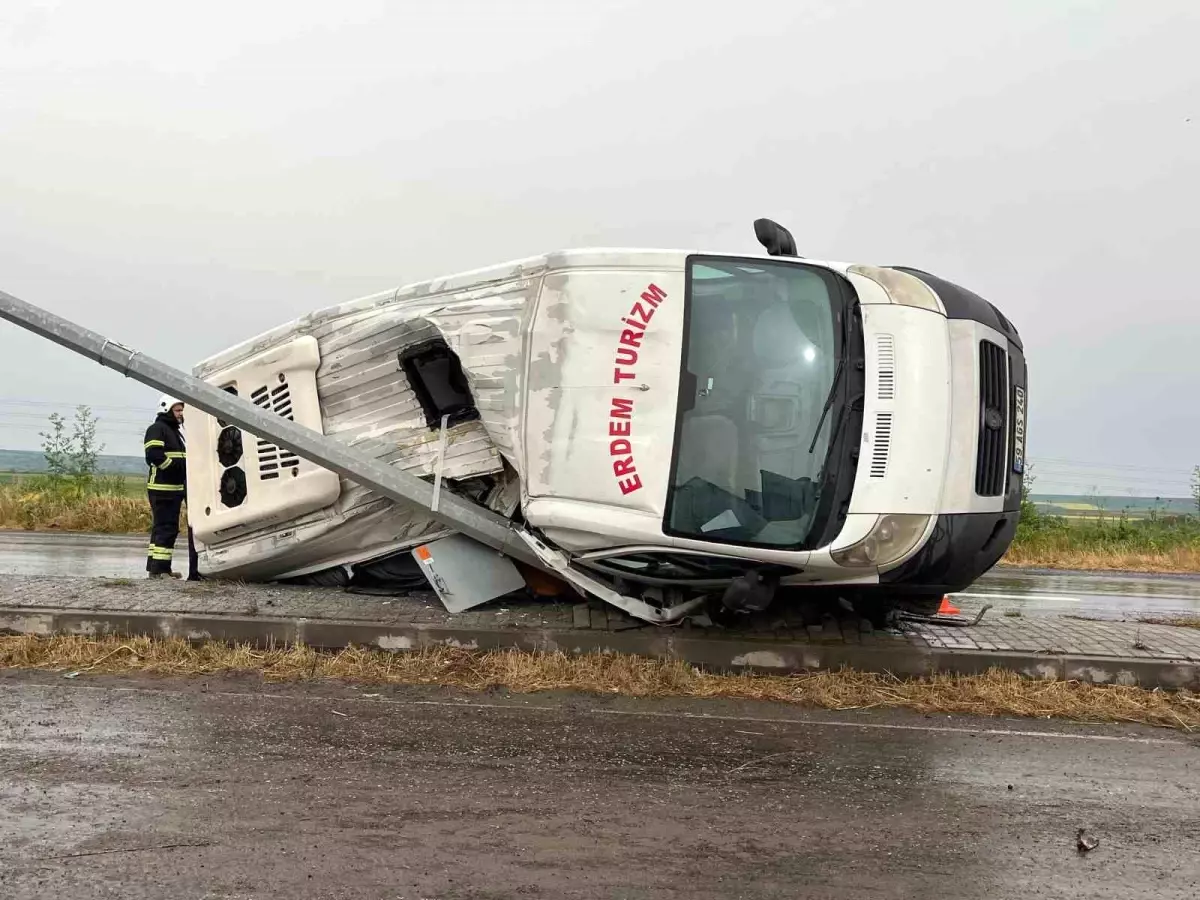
901, 287
891, 539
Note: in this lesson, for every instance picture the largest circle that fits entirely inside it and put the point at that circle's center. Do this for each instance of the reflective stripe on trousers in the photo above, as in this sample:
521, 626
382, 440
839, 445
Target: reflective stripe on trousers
165, 507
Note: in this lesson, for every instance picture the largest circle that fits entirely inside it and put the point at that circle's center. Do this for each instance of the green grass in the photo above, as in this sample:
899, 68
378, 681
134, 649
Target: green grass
116, 485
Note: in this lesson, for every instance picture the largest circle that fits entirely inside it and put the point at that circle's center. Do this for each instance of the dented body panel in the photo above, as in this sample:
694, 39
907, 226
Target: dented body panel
602, 388
365, 401
542, 360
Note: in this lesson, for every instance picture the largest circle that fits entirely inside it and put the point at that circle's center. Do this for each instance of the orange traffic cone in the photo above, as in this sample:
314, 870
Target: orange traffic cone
947, 608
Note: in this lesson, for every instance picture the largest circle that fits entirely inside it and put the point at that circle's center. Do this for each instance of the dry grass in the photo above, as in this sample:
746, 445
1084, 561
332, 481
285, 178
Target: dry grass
28, 508
1150, 544
1181, 621
992, 694
1175, 560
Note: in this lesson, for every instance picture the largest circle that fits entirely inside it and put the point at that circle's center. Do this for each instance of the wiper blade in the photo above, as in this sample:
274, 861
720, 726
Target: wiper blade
837, 377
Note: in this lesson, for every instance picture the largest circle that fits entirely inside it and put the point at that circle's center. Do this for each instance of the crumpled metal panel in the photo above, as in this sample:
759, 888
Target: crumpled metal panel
367, 402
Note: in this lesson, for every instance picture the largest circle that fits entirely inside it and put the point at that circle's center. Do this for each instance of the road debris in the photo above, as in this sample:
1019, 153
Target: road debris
952, 620
1084, 843
127, 850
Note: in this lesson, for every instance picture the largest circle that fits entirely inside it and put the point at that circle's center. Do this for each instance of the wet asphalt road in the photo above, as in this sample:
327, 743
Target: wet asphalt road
1107, 596
327, 791
1090, 594
82, 555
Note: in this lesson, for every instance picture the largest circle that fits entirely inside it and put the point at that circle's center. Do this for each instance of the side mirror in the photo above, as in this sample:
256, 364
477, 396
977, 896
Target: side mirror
775, 238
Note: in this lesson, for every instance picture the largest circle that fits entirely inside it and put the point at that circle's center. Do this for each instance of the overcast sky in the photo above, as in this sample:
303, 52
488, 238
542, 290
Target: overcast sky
180, 177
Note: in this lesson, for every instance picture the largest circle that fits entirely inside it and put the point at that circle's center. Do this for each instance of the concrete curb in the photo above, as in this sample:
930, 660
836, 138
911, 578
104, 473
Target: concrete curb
717, 652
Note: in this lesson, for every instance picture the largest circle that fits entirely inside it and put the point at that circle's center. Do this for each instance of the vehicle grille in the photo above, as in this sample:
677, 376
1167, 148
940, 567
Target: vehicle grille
993, 420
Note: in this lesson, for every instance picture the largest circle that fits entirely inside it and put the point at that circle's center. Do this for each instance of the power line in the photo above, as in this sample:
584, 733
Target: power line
1120, 482
104, 425
1164, 490
1050, 460
1119, 479
13, 401
99, 419
1108, 479
1132, 474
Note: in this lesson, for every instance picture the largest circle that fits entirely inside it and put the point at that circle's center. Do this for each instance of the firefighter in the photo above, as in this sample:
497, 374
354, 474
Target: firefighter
166, 486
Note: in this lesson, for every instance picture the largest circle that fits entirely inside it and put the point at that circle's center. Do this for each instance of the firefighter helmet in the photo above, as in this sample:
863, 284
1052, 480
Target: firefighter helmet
166, 402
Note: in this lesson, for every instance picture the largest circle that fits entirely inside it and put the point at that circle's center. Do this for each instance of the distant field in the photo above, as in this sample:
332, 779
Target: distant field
1076, 507
1090, 513
35, 461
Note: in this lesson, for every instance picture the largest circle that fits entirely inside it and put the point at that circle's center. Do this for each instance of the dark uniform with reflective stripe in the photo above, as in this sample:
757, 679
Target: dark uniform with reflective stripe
166, 487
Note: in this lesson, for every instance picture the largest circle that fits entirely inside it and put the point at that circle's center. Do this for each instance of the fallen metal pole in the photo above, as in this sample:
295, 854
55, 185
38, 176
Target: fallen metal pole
451, 510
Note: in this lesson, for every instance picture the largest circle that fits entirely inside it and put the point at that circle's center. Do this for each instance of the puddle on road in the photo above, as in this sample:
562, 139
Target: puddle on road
77, 724
89, 740
62, 557
79, 765
1100, 596
53, 819
1102, 585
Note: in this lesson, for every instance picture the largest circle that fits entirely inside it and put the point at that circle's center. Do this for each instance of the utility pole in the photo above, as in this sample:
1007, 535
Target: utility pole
451, 510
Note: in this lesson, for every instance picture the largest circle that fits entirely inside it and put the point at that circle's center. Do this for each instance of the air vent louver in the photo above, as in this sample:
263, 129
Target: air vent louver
885, 347
273, 460
882, 444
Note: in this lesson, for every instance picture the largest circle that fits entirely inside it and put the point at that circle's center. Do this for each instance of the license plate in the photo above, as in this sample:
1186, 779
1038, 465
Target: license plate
1018, 461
